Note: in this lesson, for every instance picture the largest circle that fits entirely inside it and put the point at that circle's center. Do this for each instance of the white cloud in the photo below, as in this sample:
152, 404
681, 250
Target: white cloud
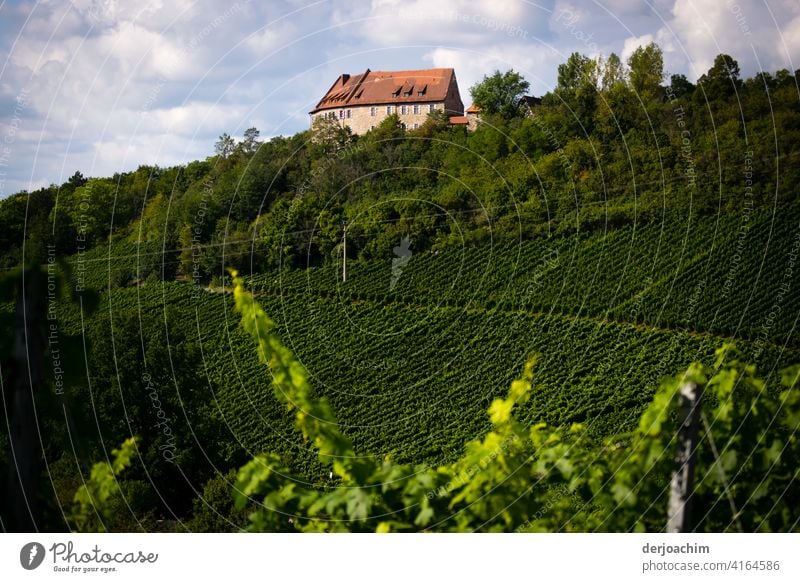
631, 44
788, 43
109, 81
272, 38
196, 117
743, 29
471, 65
446, 22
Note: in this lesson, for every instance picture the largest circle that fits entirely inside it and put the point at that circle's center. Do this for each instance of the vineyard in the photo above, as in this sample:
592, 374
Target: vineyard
706, 274
410, 370
328, 328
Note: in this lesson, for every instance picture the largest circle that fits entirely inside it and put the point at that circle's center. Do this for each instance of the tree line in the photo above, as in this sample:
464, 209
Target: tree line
612, 143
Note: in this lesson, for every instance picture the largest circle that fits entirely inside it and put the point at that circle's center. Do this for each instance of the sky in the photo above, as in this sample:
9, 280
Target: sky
103, 86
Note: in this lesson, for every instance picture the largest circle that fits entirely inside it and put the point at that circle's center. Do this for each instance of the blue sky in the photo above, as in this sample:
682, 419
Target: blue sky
103, 86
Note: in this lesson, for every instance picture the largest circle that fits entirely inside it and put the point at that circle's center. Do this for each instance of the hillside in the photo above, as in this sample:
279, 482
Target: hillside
585, 230
410, 370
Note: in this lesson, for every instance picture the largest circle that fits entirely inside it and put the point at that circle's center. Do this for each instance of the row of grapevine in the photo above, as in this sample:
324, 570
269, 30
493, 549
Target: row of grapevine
412, 380
703, 275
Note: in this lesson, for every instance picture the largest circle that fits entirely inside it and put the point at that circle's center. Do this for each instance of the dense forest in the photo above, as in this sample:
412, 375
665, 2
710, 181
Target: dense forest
624, 228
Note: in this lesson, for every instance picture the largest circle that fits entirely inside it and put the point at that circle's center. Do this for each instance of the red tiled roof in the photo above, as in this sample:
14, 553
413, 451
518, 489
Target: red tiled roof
459, 120
473, 109
387, 87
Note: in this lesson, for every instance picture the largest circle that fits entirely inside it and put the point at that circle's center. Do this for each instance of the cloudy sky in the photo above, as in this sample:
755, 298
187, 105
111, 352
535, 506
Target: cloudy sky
103, 86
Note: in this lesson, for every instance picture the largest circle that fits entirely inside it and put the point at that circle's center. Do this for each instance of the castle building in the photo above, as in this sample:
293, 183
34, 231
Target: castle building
362, 101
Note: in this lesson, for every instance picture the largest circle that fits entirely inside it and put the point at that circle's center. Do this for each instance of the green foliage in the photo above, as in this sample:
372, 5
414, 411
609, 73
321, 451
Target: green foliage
213, 509
680, 86
747, 473
643, 146
571, 231
626, 273
92, 507
722, 79
646, 65
329, 134
578, 71
613, 72
500, 93
250, 142
504, 481
224, 146
576, 93
550, 296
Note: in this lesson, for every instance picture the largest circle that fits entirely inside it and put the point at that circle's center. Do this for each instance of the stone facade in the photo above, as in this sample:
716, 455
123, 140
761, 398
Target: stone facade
473, 117
362, 118
361, 102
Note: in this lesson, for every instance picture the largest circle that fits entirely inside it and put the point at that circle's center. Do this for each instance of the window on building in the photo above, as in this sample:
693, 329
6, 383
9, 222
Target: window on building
341, 114
402, 109
416, 109
431, 107
373, 111
388, 110
349, 113
416, 126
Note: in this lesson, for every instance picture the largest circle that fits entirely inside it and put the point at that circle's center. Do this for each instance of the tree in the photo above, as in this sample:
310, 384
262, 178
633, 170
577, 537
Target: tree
76, 180
250, 142
579, 71
577, 89
646, 66
722, 79
613, 72
500, 93
91, 210
680, 86
328, 133
436, 122
224, 147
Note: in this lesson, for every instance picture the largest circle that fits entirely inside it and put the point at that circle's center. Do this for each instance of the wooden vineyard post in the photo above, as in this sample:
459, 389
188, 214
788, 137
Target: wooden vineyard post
681, 486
